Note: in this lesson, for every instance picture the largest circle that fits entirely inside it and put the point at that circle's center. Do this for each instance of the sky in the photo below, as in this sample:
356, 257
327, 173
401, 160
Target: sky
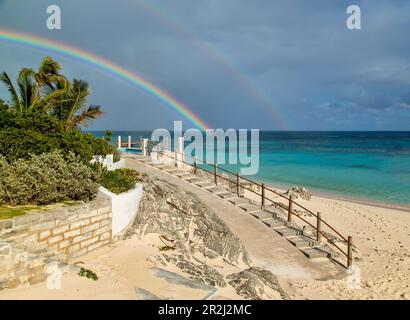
271, 65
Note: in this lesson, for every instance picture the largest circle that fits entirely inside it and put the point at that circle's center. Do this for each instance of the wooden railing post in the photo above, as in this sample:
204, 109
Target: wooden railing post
263, 196
195, 165
216, 174
349, 251
238, 184
318, 227
290, 210
176, 158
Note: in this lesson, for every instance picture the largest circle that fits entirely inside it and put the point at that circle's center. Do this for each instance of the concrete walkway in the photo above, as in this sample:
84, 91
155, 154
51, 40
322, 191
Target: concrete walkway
266, 247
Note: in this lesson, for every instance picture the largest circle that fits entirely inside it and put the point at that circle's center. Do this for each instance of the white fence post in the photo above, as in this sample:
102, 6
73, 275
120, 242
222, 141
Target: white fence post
144, 147
119, 142
129, 141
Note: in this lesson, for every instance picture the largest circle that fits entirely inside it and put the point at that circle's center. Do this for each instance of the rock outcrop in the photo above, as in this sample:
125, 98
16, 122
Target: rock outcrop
179, 216
256, 284
198, 243
299, 192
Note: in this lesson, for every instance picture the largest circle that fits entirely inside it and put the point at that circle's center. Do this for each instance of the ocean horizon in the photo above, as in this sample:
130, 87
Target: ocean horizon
363, 165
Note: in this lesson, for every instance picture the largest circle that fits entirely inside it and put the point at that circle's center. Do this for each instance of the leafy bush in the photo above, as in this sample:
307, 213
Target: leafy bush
136, 175
87, 273
121, 180
117, 182
38, 133
44, 179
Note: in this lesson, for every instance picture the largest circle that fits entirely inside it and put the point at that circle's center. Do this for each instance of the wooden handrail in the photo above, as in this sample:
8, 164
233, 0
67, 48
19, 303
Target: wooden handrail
291, 212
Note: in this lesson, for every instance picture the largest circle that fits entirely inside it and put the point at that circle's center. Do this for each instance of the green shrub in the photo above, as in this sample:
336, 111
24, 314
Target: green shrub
117, 181
87, 273
45, 179
38, 133
136, 175
3, 165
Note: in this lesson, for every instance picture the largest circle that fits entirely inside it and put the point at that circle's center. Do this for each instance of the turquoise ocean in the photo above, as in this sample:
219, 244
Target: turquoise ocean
360, 165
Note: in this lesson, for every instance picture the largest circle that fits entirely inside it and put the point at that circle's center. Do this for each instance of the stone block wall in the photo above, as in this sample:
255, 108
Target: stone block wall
29, 243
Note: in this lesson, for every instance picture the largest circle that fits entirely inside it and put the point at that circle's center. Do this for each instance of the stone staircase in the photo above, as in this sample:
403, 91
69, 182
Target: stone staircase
268, 215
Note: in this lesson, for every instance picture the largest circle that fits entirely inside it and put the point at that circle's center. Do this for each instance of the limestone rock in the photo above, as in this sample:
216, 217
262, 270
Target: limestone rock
196, 269
198, 242
299, 192
256, 284
170, 211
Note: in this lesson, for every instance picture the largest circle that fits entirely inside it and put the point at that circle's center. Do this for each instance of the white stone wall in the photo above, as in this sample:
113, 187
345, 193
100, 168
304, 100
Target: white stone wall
124, 207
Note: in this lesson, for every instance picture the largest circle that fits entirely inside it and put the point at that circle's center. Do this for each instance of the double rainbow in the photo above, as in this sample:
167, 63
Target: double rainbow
102, 63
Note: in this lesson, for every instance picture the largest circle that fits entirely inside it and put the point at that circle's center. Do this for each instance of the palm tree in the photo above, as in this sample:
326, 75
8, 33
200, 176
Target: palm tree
47, 90
27, 97
108, 135
48, 73
23, 98
72, 109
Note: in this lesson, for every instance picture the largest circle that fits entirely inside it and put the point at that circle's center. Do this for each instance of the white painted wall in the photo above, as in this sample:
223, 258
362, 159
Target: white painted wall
108, 162
124, 207
116, 165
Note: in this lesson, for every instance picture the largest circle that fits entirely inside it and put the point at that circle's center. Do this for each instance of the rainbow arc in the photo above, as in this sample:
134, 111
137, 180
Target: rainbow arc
134, 78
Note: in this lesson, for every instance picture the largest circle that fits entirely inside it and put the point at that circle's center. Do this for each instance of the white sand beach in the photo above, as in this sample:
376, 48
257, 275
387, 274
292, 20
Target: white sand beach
381, 238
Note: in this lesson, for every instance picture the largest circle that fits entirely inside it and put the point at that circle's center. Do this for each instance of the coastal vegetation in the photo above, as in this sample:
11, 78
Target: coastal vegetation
121, 180
46, 178
44, 154
87, 273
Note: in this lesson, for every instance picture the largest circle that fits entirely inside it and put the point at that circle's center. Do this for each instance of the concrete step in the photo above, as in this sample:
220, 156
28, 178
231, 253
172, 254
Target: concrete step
216, 189
183, 174
274, 223
315, 252
193, 179
189, 177
227, 195
301, 241
249, 207
169, 168
273, 210
177, 171
159, 165
237, 201
204, 183
288, 231
262, 215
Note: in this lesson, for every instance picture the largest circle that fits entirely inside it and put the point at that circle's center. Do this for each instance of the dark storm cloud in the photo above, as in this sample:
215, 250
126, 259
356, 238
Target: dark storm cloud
299, 53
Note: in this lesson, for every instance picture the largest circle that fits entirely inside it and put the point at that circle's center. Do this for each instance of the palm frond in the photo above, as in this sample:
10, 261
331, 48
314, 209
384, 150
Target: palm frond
27, 88
87, 114
79, 93
49, 66
14, 98
50, 101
